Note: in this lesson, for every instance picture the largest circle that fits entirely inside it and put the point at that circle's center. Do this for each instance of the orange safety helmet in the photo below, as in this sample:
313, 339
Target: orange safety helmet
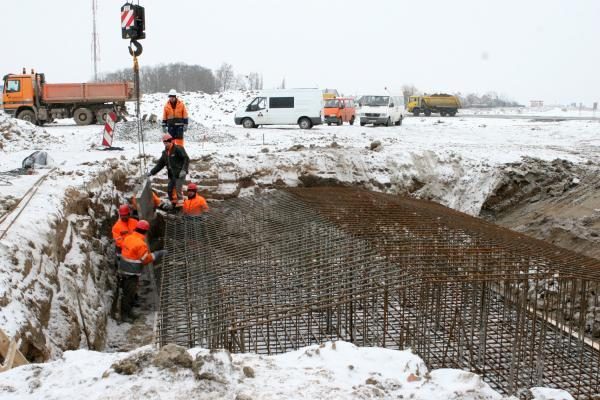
167, 137
124, 210
142, 225
192, 187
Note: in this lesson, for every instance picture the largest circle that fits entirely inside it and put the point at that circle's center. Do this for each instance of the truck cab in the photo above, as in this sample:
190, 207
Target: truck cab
19, 95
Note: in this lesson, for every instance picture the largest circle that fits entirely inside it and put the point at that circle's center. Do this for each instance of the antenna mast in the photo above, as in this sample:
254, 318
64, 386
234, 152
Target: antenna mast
95, 43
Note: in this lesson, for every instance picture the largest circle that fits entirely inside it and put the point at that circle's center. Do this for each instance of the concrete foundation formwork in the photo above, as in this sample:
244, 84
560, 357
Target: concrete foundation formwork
282, 270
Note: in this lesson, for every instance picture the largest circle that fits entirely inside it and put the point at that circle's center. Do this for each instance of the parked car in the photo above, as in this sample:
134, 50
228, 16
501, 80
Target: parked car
340, 110
283, 107
381, 110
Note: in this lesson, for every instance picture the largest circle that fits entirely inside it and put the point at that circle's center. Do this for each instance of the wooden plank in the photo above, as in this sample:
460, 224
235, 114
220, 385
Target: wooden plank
5, 341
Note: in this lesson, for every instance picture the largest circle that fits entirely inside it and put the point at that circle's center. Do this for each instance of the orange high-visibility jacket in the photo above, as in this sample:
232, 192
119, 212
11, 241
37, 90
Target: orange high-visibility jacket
121, 229
195, 206
174, 118
135, 254
155, 201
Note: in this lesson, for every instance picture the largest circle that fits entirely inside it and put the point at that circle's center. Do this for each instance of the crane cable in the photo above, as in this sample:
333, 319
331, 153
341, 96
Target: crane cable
135, 51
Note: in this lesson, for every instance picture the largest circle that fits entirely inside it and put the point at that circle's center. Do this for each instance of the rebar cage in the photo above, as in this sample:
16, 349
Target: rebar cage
286, 269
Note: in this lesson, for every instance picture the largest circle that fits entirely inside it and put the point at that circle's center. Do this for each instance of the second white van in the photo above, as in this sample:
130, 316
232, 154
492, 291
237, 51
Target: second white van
381, 110
303, 107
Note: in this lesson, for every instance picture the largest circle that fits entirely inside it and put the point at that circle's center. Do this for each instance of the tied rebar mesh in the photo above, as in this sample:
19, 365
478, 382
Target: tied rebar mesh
283, 270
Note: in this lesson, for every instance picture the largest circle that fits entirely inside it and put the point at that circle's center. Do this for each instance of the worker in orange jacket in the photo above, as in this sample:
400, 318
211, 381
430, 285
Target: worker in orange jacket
195, 204
175, 118
123, 227
134, 256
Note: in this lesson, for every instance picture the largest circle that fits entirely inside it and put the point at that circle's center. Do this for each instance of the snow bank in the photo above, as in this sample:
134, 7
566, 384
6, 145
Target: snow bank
334, 370
210, 110
21, 135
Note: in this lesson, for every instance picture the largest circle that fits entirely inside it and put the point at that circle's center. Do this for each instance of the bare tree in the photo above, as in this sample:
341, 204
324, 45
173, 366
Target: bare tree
225, 77
409, 90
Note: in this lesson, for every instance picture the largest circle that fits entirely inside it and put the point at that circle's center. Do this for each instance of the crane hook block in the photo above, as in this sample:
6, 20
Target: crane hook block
133, 22
135, 48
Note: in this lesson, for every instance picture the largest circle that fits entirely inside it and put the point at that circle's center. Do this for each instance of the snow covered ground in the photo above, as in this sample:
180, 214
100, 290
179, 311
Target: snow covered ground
455, 161
333, 370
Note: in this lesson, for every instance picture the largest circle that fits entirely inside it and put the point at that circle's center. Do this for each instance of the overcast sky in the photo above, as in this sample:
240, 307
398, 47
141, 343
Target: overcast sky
524, 49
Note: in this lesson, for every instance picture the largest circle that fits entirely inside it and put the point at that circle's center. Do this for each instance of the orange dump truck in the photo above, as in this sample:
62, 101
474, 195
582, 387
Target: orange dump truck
30, 98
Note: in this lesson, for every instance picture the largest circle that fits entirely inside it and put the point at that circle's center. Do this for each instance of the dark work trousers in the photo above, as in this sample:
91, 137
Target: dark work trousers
129, 285
177, 185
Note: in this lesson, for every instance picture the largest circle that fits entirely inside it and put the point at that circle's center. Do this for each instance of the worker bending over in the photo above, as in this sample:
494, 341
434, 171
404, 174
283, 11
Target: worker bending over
177, 162
134, 256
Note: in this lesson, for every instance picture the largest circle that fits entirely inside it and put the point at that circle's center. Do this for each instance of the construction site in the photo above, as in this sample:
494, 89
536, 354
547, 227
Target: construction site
419, 257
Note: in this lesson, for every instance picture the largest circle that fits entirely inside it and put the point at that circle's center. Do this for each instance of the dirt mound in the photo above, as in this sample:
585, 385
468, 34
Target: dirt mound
21, 135
556, 201
128, 131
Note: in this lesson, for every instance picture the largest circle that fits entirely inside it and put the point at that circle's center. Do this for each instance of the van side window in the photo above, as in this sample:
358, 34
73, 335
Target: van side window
281, 102
13, 86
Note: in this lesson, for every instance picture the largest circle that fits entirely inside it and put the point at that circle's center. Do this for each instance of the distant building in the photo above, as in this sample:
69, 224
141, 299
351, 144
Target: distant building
536, 103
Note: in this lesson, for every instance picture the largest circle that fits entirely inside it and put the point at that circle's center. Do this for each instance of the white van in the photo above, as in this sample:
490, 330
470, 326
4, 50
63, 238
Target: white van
283, 107
382, 109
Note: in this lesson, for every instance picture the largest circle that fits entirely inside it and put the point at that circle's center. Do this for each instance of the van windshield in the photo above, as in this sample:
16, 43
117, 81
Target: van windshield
375, 101
332, 103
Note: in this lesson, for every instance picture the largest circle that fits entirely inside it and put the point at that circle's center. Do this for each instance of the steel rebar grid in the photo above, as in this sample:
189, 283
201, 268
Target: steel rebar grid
283, 270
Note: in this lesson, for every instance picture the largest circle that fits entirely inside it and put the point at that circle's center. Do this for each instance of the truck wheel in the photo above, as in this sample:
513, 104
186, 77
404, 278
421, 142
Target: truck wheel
83, 116
102, 116
427, 113
399, 122
27, 115
248, 123
304, 123
351, 122
443, 113
416, 112
452, 113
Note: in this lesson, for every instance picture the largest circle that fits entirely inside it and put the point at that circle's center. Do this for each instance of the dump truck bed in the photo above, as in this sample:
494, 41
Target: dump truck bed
442, 101
87, 92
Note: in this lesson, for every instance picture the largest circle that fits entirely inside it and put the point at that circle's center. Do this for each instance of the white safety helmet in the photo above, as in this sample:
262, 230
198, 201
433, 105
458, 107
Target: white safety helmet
172, 92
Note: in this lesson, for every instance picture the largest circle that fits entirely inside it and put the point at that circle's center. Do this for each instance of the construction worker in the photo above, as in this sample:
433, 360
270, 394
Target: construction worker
195, 204
123, 227
175, 118
134, 256
177, 162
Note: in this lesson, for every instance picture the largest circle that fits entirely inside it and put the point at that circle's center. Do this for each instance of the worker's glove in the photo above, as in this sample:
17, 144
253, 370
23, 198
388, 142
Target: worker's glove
185, 128
182, 174
164, 129
148, 174
159, 254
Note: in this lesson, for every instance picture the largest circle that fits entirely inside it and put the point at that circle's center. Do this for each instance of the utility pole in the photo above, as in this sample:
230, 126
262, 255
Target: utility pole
95, 43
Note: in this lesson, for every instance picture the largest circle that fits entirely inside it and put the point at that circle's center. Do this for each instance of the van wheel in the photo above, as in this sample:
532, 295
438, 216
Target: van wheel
399, 122
304, 123
27, 115
389, 122
248, 123
329, 124
340, 122
83, 116
351, 122
362, 123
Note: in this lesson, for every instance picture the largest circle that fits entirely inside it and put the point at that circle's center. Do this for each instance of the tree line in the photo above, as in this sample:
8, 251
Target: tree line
489, 99
185, 77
